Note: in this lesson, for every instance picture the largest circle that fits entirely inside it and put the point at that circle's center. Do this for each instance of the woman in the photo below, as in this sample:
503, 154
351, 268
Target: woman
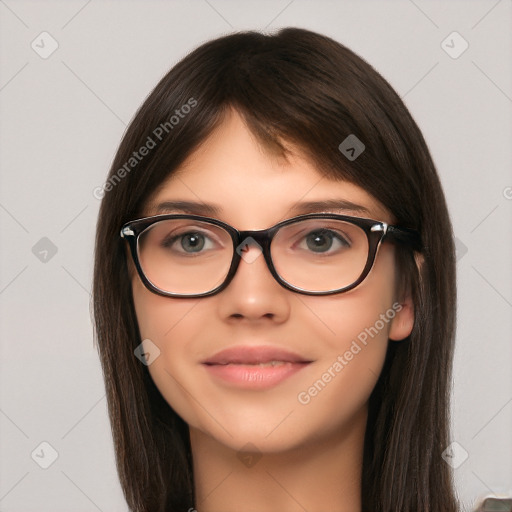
274, 288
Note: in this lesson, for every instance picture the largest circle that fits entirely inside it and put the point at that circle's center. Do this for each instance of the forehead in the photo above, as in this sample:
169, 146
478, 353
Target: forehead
233, 173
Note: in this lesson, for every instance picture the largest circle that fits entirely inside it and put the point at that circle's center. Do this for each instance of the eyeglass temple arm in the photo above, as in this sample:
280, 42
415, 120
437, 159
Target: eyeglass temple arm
405, 236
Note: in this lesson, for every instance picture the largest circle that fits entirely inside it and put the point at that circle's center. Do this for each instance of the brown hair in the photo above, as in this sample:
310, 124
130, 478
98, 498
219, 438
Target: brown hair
303, 88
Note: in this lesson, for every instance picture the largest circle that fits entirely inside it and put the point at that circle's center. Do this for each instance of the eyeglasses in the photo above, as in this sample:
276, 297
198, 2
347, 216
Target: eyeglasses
312, 254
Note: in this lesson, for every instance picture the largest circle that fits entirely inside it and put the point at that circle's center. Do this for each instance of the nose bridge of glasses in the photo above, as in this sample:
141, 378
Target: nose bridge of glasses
257, 238
252, 237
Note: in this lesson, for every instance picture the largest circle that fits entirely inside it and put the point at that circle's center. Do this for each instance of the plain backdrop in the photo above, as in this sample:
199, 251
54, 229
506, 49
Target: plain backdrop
73, 74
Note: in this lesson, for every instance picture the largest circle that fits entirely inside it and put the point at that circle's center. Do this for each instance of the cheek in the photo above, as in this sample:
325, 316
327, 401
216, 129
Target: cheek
172, 325
352, 330
340, 319
154, 316
159, 317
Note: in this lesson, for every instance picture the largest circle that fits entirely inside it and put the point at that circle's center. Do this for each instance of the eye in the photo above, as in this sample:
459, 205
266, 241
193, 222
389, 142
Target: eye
189, 242
322, 240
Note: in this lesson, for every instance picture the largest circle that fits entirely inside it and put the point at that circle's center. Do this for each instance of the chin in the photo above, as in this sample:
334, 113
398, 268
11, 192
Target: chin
269, 433
253, 440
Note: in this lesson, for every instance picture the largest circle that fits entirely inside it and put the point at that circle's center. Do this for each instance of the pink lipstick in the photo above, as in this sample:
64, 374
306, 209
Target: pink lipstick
254, 367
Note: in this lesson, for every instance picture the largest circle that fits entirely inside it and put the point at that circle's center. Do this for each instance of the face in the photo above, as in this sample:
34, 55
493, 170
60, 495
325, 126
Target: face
343, 337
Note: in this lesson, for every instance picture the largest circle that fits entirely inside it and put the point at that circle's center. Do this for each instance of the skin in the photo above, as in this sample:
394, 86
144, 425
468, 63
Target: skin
305, 456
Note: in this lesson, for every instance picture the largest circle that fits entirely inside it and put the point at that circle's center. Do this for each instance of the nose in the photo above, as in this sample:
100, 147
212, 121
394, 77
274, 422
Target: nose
253, 292
249, 250
252, 266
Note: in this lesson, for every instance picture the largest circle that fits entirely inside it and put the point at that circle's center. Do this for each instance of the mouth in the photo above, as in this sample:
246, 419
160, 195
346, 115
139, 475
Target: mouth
255, 355
253, 367
244, 363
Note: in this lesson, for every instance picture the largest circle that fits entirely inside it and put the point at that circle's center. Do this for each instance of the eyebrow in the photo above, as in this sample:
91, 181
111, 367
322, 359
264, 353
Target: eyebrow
211, 210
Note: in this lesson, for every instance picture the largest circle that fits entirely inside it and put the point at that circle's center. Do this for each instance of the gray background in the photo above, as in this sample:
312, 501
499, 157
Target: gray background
62, 118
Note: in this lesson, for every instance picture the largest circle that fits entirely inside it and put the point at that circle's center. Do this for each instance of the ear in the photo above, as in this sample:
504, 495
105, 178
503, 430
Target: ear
403, 321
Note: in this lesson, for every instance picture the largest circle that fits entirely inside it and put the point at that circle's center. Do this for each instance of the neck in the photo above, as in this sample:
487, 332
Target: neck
321, 474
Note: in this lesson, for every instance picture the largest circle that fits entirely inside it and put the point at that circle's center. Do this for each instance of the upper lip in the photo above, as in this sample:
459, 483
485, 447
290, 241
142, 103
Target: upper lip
254, 355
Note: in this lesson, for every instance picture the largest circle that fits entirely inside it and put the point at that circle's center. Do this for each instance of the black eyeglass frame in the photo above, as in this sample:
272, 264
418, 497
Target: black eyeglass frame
376, 232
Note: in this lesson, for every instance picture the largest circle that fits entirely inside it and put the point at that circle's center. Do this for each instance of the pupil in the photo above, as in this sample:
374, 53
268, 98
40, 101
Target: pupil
319, 237
193, 240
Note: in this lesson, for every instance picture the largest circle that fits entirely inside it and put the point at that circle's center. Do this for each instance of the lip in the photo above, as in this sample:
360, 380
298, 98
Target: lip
252, 354
241, 366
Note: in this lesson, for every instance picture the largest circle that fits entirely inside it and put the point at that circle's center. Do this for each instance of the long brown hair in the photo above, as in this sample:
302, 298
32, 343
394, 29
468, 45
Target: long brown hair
300, 87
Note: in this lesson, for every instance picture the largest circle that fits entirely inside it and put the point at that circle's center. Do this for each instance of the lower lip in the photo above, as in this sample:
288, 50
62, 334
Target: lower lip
251, 376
